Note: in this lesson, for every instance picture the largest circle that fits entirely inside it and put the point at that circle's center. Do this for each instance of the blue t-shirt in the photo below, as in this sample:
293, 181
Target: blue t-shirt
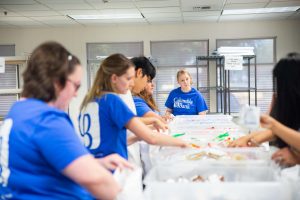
102, 126
37, 142
189, 103
141, 106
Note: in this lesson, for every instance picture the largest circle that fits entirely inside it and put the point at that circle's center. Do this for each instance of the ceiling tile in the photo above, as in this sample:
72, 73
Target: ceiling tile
38, 13
14, 2
162, 15
61, 1
11, 19
25, 7
130, 21
160, 10
269, 16
246, 1
55, 20
8, 13
157, 4
52, 18
200, 14
201, 19
119, 11
284, 4
165, 20
53, 12
192, 5
95, 21
244, 6
79, 12
101, 5
280, 0
70, 6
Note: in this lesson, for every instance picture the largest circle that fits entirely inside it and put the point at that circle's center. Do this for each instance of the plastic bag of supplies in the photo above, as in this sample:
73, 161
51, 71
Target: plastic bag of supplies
131, 184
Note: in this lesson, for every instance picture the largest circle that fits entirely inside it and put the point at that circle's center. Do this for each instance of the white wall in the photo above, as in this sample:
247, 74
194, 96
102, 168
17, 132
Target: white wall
75, 38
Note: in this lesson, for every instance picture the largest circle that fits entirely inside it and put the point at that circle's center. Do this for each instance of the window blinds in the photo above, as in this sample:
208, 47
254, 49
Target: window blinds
96, 52
8, 80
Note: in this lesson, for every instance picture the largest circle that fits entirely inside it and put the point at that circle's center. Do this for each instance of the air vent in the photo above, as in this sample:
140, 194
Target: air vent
201, 8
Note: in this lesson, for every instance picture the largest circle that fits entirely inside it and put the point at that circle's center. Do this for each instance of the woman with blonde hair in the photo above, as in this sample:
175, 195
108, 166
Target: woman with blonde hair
185, 100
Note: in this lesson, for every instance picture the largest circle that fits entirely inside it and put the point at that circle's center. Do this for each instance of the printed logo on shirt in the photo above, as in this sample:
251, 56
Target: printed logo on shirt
182, 103
89, 126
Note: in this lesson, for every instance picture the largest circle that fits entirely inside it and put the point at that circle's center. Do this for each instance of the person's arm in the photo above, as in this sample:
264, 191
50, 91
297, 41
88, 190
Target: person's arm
132, 139
87, 172
202, 113
253, 139
157, 124
136, 126
271, 104
168, 114
168, 111
288, 135
114, 161
286, 157
153, 114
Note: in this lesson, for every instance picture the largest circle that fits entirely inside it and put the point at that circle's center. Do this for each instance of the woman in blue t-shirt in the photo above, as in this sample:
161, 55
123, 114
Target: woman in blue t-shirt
41, 154
185, 100
105, 117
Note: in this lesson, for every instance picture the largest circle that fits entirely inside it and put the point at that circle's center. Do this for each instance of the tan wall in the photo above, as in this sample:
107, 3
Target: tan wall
75, 38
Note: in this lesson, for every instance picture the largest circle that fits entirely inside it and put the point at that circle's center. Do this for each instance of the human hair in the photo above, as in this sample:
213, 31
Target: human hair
48, 64
144, 63
149, 99
286, 108
184, 71
114, 64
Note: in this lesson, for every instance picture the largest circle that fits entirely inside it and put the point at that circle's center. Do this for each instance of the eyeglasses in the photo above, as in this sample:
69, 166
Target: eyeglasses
76, 85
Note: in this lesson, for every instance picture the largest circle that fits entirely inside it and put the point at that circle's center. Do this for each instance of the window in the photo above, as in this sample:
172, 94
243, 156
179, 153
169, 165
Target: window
8, 80
169, 57
96, 52
264, 49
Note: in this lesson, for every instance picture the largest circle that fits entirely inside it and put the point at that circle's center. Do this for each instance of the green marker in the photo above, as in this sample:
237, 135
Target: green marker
178, 135
222, 136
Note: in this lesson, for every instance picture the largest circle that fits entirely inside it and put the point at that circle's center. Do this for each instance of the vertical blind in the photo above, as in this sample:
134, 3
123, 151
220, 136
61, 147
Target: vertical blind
8, 80
96, 52
264, 49
169, 57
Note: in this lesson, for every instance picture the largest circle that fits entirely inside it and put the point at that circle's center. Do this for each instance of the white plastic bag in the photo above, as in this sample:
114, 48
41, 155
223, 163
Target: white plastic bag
131, 183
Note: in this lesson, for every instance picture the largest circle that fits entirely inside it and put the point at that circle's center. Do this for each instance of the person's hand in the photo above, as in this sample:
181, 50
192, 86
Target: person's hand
244, 141
160, 125
114, 161
286, 157
267, 121
168, 117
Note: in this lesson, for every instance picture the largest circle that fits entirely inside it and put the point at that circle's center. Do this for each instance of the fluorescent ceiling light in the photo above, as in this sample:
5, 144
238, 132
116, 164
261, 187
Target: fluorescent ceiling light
107, 16
260, 10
